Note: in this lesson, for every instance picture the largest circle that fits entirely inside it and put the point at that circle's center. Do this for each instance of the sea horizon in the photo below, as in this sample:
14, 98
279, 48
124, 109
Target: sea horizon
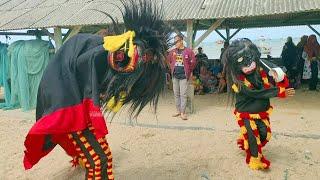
271, 46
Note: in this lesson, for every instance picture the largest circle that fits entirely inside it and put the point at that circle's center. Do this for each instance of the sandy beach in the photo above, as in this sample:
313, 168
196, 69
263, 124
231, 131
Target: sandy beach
162, 147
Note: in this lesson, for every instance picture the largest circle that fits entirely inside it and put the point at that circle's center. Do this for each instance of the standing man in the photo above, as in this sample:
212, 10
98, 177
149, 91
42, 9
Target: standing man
201, 58
225, 46
182, 62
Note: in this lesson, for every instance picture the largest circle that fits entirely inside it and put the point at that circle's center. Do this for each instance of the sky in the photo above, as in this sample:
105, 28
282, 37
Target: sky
272, 33
12, 39
255, 33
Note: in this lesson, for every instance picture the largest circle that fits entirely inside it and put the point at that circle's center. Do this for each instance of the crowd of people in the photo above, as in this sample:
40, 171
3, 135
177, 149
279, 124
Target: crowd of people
208, 78
302, 61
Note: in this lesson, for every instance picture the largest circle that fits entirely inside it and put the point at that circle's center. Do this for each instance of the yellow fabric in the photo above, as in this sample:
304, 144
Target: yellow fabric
268, 136
235, 88
116, 106
83, 139
81, 163
131, 46
246, 144
97, 161
91, 152
243, 130
111, 103
247, 83
253, 124
114, 43
255, 116
266, 122
269, 111
86, 145
255, 163
265, 80
104, 146
119, 104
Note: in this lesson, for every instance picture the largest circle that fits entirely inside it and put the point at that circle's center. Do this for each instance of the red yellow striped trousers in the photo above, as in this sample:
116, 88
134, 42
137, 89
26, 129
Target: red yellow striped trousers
94, 154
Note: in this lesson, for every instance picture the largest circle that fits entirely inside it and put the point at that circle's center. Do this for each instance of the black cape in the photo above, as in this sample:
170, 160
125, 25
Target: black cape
68, 97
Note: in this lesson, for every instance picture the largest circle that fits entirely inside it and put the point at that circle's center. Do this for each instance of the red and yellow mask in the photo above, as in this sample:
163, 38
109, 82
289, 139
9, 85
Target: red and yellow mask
124, 55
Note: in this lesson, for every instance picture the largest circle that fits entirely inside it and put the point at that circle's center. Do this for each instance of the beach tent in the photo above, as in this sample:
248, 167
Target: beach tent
28, 60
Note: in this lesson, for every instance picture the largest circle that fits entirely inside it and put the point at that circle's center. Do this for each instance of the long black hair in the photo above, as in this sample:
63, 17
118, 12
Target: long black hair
147, 81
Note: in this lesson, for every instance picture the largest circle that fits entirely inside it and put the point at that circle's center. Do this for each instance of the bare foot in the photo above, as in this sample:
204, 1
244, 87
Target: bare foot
184, 116
176, 114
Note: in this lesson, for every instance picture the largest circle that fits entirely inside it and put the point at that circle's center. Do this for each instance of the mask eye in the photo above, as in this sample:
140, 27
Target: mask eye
119, 56
240, 59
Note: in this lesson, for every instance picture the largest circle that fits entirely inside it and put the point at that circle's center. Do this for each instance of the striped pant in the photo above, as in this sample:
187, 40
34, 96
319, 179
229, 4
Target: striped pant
254, 134
94, 153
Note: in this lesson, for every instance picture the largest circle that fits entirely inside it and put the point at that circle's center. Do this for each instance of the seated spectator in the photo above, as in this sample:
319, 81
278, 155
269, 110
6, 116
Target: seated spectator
198, 88
209, 81
222, 83
202, 59
212, 82
217, 68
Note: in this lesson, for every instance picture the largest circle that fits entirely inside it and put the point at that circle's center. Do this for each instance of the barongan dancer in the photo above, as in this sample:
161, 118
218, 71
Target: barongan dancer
89, 72
247, 76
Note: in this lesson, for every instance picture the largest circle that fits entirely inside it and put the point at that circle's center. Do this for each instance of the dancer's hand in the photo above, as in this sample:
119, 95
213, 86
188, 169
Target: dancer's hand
274, 74
290, 92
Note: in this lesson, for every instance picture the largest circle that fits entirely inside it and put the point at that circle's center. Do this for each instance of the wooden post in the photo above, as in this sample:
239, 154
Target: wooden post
57, 38
189, 33
228, 34
236, 32
45, 31
314, 30
224, 38
213, 27
73, 31
195, 30
190, 89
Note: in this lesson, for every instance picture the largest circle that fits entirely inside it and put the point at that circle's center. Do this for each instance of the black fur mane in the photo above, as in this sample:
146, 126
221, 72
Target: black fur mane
145, 84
